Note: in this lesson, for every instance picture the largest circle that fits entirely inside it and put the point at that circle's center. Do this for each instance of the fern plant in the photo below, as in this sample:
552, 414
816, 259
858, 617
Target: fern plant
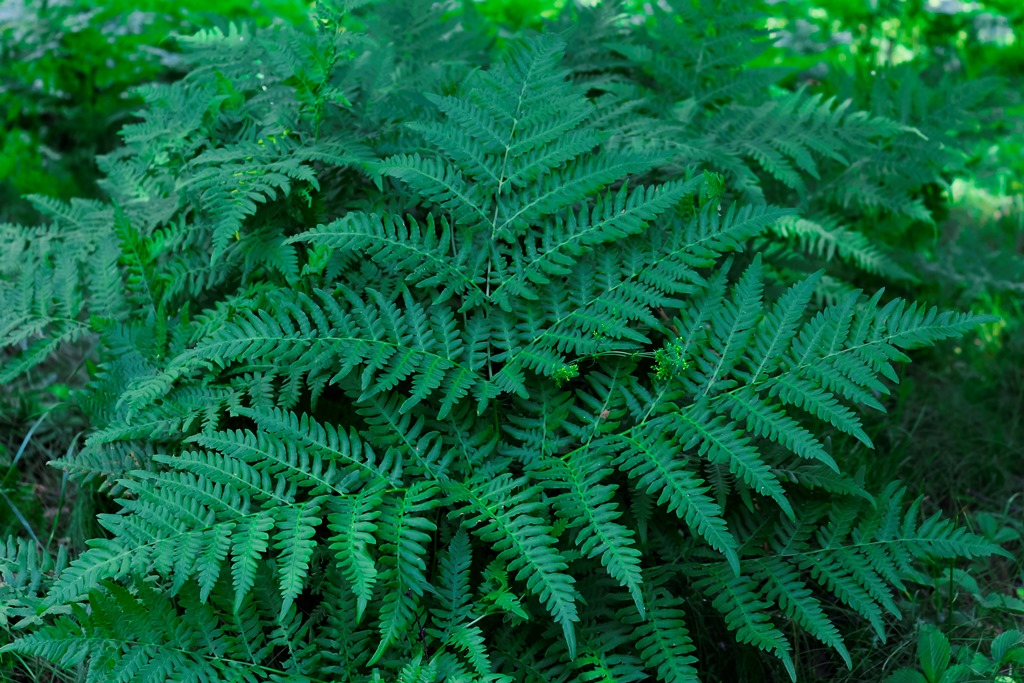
491, 395
864, 159
68, 70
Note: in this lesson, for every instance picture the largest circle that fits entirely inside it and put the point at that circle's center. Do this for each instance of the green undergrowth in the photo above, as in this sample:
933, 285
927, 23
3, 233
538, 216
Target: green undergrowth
68, 70
416, 343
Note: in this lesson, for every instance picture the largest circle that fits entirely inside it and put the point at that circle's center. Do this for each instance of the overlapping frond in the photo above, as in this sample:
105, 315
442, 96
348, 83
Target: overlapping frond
493, 394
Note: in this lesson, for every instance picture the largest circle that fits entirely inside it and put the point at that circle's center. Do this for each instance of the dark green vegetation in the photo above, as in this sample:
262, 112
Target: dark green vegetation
66, 74
420, 343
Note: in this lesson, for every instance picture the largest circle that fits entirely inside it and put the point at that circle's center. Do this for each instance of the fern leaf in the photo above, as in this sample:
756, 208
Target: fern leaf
716, 440
404, 532
421, 252
773, 423
352, 522
294, 542
590, 501
663, 639
782, 585
657, 469
737, 598
250, 540
508, 520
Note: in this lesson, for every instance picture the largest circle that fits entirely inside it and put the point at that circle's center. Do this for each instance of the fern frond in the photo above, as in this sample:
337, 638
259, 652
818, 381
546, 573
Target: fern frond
738, 600
408, 364
295, 545
507, 518
353, 522
783, 585
404, 530
590, 501
663, 638
657, 469
306, 333
421, 252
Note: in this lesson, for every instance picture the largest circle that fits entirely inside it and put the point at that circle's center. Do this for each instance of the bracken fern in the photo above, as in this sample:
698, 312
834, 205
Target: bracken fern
494, 394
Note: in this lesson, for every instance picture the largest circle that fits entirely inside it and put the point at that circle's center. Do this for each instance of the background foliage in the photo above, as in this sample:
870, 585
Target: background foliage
67, 70
921, 196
